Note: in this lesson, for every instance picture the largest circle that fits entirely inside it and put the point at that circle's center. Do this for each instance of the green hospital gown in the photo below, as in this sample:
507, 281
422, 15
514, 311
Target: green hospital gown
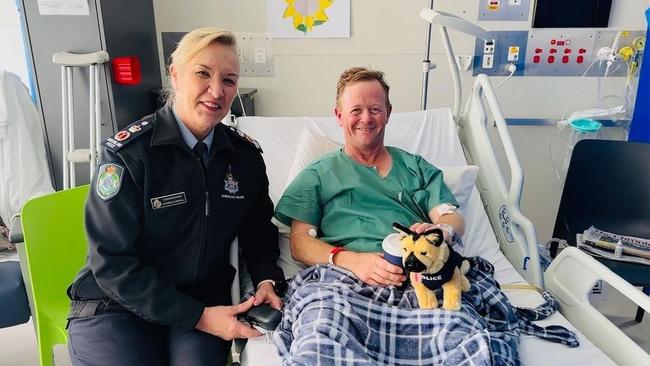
354, 207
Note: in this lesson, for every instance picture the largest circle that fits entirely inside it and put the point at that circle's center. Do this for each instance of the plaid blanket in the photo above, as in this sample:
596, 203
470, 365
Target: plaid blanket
332, 318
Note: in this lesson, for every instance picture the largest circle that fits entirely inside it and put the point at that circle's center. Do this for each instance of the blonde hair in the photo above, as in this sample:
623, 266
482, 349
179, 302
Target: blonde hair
190, 45
356, 74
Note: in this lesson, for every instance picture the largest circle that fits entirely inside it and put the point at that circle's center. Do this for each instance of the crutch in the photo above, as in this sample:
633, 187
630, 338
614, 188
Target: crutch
71, 156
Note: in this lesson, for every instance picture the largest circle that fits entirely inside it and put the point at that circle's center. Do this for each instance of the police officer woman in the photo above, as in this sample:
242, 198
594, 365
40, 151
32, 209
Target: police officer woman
172, 192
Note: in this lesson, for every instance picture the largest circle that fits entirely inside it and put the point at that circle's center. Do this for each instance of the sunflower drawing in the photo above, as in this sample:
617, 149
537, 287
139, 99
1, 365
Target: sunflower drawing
307, 14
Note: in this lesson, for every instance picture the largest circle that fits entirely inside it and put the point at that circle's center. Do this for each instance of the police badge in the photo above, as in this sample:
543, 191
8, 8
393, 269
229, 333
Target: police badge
231, 185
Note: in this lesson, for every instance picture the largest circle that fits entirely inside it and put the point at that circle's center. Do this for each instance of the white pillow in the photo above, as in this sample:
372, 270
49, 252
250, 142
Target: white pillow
460, 180
313, 145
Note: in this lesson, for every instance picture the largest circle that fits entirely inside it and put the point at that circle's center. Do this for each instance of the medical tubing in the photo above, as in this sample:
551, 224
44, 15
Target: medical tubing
512, 72
566, 106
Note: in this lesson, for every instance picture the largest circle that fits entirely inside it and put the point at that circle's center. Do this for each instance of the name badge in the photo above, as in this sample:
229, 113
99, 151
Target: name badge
173, 199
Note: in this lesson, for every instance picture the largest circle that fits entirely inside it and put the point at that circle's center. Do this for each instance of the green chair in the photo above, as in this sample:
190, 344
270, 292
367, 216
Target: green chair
54, 250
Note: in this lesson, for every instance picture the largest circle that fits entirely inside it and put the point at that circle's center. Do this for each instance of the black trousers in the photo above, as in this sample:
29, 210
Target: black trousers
123, 338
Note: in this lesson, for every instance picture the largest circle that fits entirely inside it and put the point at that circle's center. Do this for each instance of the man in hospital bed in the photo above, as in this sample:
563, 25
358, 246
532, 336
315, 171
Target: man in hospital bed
340, 208
352, 196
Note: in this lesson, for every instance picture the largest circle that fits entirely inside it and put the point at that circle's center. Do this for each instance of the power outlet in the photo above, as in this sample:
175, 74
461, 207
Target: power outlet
488, 61
488, 46
260, 55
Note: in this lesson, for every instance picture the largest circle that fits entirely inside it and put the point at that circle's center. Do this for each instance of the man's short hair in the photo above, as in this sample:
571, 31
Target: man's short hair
356, 74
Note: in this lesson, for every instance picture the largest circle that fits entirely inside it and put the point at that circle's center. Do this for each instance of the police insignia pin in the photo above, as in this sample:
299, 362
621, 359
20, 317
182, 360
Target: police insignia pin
135, 128
231, 185
109, 180
122, 135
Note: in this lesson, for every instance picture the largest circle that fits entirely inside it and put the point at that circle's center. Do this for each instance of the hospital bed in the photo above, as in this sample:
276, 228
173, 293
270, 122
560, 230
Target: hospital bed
496, 228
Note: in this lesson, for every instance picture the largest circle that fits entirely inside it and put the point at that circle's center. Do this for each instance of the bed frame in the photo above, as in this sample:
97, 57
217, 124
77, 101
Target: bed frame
571, 275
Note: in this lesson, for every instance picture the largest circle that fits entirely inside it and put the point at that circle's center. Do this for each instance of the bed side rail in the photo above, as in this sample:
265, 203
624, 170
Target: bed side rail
571, 277
515, 232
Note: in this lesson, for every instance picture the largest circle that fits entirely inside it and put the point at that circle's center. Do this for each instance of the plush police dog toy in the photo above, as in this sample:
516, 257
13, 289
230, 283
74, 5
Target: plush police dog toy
432, 264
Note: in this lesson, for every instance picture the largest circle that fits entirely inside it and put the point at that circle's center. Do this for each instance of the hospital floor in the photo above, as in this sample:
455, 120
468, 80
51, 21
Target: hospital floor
18, 344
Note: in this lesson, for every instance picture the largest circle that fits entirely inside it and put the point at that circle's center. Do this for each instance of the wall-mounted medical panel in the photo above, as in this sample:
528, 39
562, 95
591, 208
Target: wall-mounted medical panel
559, 52
512, 10
506, 47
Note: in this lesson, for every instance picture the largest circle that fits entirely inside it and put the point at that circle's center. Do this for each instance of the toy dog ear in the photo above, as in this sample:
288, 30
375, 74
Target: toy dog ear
404, 231
434, 236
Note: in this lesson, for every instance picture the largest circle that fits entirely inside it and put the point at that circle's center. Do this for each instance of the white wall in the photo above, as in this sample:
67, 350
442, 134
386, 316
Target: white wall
390, 36
11, 46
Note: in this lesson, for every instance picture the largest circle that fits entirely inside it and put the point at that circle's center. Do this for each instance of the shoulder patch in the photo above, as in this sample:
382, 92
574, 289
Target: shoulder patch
109, 180
130, 133
246, 138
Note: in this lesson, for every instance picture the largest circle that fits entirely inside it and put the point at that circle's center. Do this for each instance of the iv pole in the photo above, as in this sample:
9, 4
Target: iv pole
444, 21
426, 64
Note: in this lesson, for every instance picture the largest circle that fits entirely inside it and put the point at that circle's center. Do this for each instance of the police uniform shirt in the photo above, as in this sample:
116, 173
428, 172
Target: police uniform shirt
189, 138
160, 224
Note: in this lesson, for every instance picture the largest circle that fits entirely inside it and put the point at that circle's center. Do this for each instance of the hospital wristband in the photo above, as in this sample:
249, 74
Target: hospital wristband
330, 258
448, 229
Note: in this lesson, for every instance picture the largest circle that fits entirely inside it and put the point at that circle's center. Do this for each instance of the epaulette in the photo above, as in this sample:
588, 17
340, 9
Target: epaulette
246, 138
128, 134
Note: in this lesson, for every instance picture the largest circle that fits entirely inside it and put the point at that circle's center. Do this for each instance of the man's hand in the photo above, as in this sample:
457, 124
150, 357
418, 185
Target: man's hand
221, 321
266, 295
371, 268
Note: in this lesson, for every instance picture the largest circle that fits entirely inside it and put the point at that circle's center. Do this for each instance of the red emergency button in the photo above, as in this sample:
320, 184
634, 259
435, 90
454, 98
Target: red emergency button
553, 50
560, 43
553, 42
551, 59
580, 59
582, 50
536, 59
567, 50
565, 59
538, 50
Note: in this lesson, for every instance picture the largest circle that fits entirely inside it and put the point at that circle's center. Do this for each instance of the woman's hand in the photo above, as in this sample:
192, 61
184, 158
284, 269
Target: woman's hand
221, 321
266, 295
371, 268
